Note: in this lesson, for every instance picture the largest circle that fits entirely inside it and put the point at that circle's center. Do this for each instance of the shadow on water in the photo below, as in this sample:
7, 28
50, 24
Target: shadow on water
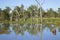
32, 31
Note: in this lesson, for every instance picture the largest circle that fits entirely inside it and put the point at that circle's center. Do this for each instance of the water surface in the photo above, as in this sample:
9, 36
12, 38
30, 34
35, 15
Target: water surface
29, 32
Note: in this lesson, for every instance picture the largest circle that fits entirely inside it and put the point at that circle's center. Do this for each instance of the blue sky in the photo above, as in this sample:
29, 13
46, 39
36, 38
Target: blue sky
55, 4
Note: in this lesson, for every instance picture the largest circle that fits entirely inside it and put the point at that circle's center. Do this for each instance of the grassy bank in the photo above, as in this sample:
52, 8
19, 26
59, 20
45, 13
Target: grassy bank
34, 21
45, 20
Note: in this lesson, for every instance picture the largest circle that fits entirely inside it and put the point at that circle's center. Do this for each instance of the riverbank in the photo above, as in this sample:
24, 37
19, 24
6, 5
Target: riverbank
35, 21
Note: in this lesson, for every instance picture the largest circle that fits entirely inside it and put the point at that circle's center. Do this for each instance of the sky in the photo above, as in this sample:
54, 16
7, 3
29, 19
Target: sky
55, 4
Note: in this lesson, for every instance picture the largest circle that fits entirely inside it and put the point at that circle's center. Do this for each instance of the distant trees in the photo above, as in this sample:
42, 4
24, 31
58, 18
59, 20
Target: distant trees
51, 13
4, 14
31, 12
0, 11
0, 14
58, 12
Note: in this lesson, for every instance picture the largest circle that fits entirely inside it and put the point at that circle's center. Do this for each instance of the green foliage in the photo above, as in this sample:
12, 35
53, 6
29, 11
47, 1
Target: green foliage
28, 14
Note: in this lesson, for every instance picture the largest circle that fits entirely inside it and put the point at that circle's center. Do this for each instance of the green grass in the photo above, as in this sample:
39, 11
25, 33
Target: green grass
45, 20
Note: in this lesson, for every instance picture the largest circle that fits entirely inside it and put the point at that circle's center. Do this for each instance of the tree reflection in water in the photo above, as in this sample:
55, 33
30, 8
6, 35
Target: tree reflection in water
52, 28
31, 29
21, 29
4, 28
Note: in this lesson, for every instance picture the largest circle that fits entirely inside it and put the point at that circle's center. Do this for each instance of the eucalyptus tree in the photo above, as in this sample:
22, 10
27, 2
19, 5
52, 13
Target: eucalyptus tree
6, 12
43, 12
13, 14
55, 14
0, 13
58, 12
16, 13
26, 14
50, 13
19, 12
32, 11
22, 11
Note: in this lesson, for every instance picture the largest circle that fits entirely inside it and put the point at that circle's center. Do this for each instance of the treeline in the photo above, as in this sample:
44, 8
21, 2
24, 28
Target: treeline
31, 11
